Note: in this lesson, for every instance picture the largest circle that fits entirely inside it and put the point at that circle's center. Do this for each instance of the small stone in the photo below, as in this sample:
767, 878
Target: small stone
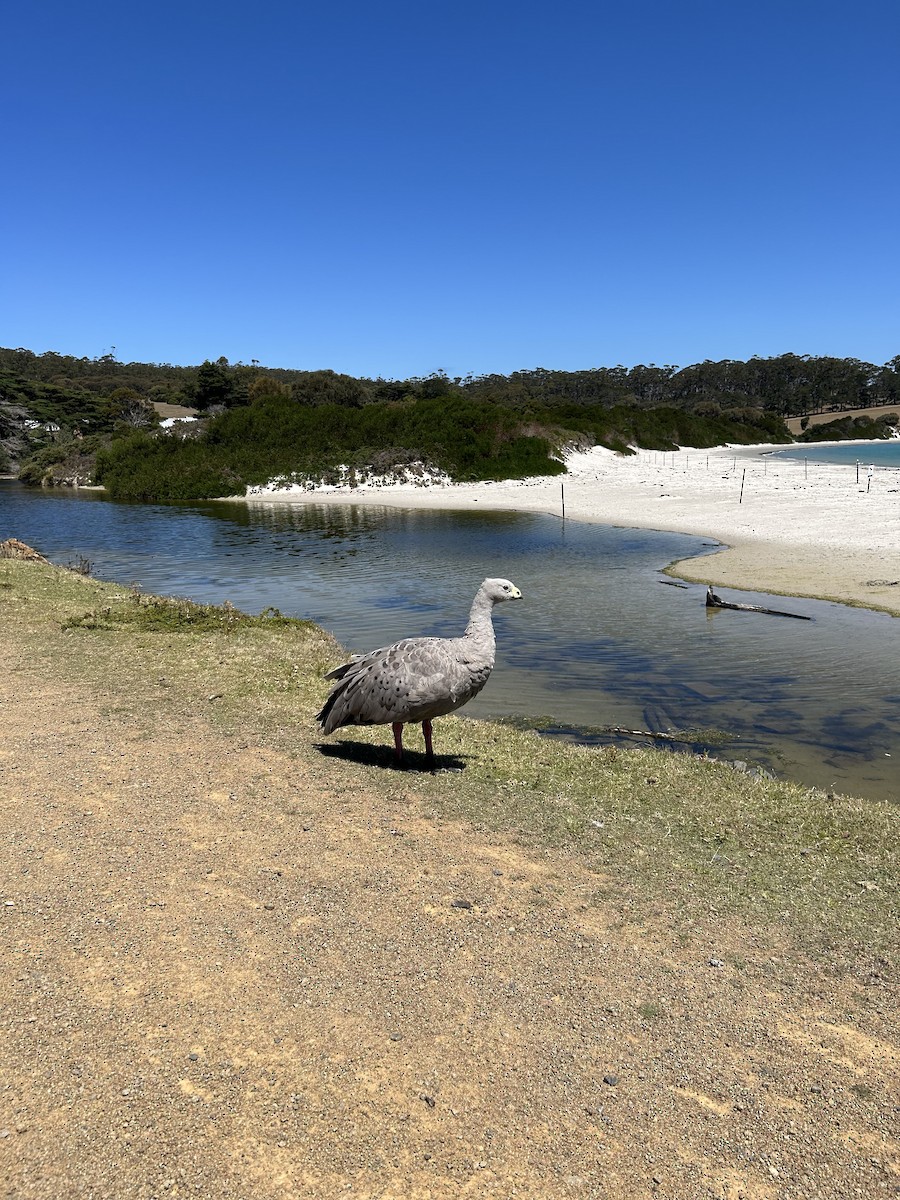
194, 1057
429, 1100
461, 904
396, 1037
269, 907
716, 962
612, 1080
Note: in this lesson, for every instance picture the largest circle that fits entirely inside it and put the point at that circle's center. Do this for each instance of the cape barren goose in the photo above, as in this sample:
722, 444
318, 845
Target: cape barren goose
418, 679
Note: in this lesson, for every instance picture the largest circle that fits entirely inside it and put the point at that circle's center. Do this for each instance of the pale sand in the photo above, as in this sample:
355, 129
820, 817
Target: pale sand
801, 529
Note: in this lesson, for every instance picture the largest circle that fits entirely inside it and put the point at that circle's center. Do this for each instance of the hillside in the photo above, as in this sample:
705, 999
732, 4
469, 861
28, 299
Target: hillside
66, 420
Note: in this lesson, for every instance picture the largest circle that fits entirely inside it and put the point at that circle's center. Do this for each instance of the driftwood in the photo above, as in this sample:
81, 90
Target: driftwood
714, 601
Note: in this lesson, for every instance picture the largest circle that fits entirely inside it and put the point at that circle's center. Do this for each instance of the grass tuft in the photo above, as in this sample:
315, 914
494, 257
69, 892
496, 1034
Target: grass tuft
164, 614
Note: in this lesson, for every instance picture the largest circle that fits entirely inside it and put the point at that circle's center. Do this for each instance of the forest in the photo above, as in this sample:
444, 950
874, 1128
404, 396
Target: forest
97, 418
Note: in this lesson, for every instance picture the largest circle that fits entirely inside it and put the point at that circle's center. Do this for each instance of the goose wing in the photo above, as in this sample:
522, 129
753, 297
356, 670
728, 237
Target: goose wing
417, 679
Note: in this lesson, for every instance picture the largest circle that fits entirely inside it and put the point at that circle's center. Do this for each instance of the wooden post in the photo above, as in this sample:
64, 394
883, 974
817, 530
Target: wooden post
562, 493
743, 477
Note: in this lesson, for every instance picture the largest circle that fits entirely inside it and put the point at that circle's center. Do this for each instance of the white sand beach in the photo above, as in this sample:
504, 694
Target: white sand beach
789, 527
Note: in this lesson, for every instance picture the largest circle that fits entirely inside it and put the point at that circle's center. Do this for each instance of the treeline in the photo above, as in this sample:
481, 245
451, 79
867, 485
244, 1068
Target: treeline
785, 385
467, 439
64, 419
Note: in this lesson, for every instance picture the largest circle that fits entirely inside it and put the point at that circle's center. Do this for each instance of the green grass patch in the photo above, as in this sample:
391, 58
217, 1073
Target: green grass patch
165, 614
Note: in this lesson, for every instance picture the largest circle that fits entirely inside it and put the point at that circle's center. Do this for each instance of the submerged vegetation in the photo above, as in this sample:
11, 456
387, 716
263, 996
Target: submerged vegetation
69, 420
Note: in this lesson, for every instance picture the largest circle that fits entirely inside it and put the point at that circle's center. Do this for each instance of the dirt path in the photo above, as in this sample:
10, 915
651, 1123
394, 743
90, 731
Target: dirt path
230, 974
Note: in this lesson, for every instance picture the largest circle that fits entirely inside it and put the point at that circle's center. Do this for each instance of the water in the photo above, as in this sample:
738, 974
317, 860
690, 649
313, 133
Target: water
598, 641
880, 454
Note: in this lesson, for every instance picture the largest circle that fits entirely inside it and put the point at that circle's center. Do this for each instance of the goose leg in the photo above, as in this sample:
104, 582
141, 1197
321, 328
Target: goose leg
398, 740
429, 752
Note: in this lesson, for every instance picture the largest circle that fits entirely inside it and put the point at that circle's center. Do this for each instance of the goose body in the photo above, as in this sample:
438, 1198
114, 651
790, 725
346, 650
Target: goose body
418, 679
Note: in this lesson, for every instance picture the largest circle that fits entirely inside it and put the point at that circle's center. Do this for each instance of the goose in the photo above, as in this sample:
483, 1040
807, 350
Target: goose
418, 679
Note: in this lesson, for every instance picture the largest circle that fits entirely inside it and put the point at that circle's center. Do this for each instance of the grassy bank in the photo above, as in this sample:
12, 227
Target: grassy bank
660, 830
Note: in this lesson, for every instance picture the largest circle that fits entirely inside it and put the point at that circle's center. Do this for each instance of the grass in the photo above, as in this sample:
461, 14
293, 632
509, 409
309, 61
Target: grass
170, 614
660, 829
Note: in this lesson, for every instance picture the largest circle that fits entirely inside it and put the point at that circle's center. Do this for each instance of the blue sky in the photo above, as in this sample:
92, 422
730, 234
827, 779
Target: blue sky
399, 188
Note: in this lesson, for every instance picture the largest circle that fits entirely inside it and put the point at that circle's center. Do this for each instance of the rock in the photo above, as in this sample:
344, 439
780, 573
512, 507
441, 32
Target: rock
611, 1080
13, 548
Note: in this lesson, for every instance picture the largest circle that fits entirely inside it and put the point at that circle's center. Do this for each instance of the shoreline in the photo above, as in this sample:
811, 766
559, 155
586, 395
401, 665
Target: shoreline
787, 527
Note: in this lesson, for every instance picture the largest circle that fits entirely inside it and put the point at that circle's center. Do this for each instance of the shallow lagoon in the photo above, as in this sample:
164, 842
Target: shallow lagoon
884, 454
602, 638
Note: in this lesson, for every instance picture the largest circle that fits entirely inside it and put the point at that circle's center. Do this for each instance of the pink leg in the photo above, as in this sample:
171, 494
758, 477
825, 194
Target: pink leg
429, 752
398, 740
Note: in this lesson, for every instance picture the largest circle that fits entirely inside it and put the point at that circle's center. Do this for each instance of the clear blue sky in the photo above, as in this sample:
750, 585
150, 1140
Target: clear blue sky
402, 187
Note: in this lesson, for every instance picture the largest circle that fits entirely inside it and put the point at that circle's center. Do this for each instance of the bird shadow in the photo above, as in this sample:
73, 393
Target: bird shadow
383, 757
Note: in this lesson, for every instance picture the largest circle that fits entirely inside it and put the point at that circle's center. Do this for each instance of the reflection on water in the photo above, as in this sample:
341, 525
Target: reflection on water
598, 641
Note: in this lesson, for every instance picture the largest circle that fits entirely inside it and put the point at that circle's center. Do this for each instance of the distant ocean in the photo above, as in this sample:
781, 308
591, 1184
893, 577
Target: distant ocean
879, 454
